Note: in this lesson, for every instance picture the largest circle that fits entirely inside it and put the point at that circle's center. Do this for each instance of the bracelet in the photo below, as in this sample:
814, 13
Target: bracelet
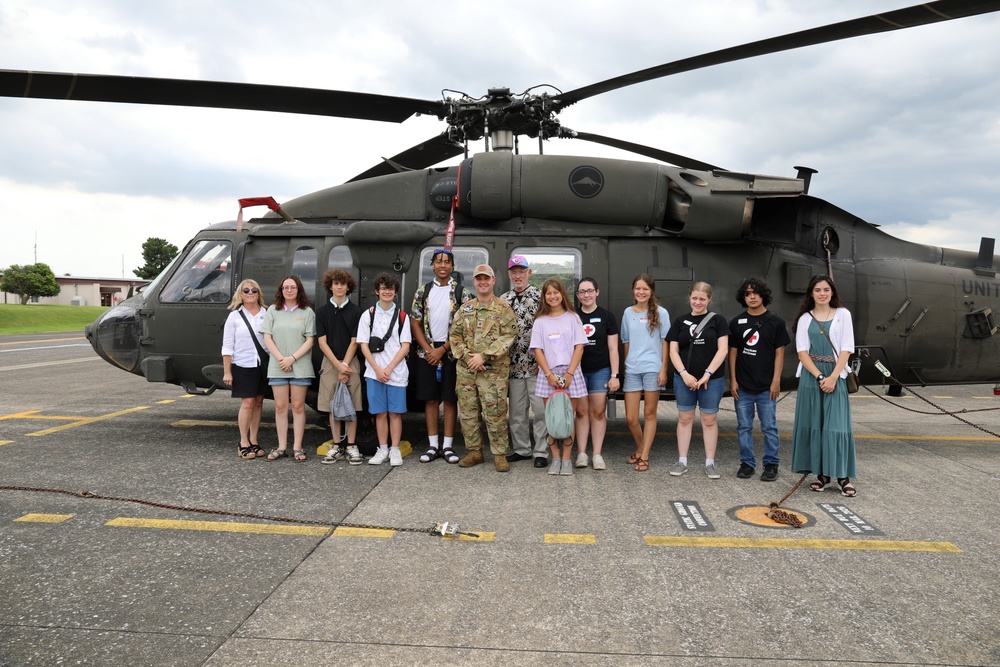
682, 371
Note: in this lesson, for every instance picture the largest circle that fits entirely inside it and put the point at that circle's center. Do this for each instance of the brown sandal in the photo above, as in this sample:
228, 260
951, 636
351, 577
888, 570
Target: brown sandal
635, 458
642, 465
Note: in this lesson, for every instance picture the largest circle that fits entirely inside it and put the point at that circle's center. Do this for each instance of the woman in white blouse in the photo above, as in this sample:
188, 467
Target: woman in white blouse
244, 361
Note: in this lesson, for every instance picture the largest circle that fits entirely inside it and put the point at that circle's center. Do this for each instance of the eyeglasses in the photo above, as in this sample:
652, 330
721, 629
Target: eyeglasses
250, 290
586, 292
289, 287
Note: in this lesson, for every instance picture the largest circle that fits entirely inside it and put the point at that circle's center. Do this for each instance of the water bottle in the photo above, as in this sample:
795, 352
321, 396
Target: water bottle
437, 373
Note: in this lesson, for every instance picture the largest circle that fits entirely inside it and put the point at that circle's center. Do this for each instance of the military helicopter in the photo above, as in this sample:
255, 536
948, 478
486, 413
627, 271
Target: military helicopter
924, 312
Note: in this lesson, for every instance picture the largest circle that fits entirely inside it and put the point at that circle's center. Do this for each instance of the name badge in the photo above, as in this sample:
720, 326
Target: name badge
554, 335
595, 319
742, 320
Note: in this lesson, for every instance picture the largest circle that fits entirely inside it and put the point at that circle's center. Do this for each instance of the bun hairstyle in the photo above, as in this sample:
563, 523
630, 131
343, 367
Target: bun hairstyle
653, 309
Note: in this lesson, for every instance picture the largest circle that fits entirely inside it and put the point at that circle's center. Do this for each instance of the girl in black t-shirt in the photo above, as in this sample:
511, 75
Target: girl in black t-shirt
699, 344
600, 371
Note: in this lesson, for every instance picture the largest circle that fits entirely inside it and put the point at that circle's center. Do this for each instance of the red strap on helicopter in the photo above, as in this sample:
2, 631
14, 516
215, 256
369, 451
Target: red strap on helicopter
254, 201
449, 234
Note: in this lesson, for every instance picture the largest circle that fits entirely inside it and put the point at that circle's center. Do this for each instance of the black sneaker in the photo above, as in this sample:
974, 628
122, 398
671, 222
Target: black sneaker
770, 472
746, 470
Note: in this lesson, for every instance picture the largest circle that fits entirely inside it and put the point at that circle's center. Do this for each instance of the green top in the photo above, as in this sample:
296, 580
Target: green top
289, 330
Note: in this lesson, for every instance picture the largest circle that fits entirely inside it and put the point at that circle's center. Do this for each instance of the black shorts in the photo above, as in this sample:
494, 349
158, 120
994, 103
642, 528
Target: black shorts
250, 382
425, 384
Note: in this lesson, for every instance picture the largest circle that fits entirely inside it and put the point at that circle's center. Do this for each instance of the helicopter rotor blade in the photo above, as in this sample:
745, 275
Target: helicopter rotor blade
639, 149
425, 154
213, 94
909, 17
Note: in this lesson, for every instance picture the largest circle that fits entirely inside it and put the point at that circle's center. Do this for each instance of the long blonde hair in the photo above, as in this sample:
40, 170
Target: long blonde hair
237, 299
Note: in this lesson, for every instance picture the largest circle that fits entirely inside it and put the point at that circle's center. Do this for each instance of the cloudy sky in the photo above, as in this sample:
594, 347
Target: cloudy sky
904, 127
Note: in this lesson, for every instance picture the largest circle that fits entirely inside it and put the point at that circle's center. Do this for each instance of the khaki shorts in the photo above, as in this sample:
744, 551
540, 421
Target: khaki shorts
328, 379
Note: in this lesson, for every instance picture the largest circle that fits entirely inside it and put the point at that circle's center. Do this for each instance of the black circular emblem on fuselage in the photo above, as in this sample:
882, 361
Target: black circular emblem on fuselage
586, 182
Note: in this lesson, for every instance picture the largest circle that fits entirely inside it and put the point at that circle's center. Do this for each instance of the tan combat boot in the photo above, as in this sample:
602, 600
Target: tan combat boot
473, 458
500, 461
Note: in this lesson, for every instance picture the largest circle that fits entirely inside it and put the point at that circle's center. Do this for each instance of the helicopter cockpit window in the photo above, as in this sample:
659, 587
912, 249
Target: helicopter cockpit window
204, 275
466, 259
304, 266
552, 262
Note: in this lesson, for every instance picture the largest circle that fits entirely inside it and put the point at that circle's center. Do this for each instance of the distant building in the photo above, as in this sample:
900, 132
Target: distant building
82, 291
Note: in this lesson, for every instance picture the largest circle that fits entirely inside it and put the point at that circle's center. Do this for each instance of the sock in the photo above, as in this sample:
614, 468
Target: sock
383, 448
683, 460
433, 440
709, 462
448, 440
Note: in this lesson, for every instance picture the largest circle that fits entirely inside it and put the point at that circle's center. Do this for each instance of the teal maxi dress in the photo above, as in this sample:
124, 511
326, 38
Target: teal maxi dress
822, 438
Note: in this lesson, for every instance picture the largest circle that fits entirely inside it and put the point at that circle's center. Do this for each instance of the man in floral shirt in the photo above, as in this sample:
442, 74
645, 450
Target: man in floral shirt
434, 307
524, 299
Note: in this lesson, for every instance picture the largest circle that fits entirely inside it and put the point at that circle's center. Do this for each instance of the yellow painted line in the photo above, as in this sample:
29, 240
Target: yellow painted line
20, 415
343, 531
81, 421
45, 518
570, 538
5, 442
765, 543
58, 418
482, 536
942, 397
189, 396
218, 526
48, 340
165, 402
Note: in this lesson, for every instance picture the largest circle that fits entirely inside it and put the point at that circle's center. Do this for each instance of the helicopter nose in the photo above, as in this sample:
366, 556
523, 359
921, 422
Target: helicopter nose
115, 336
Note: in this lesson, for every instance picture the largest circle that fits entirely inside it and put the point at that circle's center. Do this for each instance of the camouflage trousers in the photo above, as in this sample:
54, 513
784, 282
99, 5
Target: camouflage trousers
486, 392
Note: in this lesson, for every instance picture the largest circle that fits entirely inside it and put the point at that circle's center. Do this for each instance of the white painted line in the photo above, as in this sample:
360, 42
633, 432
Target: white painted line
48, 363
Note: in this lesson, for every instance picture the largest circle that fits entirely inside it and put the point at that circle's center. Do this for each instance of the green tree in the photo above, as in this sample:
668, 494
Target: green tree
157, 253
29, 280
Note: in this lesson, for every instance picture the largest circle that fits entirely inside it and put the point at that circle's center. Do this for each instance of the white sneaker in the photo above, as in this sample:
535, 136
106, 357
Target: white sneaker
380, 456
581, 460
395, 457
599, 462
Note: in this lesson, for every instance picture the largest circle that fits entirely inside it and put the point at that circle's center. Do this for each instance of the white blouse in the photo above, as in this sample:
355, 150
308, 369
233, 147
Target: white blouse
840, 330
236, 341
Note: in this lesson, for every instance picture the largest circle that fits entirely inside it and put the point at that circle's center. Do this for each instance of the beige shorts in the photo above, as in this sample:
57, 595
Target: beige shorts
328, 378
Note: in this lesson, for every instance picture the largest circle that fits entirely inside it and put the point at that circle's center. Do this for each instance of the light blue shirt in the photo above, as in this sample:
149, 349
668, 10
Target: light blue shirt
645, 349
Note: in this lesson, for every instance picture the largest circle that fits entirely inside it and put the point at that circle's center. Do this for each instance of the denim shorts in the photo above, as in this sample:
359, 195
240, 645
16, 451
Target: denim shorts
597, 382
298, 382
384, 397
641, 382
707, 398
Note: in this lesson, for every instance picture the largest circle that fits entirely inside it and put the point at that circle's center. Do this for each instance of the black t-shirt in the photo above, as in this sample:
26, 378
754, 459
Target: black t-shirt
755, 348
702, 349
598, 325
339, 325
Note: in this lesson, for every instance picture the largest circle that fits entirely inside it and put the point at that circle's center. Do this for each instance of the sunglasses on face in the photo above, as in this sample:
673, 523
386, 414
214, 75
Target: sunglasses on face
250, 290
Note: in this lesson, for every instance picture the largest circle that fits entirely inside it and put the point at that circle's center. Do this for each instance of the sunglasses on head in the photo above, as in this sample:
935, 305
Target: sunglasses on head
250, 290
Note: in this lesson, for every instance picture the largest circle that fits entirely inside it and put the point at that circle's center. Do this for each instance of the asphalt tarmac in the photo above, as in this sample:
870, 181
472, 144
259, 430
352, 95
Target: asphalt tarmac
612, 567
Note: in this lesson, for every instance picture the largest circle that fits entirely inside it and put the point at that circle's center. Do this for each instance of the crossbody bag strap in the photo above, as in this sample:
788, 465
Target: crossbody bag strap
253, 336
697, 334
825, 335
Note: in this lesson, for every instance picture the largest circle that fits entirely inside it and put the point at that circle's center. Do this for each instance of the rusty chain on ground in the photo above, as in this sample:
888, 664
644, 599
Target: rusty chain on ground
444, 529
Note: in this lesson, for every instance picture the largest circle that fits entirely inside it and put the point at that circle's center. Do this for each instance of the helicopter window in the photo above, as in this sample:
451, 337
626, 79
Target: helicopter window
203, 276
304, 266
550, 262
466, 259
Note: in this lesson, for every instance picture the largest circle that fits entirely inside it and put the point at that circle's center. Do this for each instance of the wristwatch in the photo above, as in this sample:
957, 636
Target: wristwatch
614, 375
820, 377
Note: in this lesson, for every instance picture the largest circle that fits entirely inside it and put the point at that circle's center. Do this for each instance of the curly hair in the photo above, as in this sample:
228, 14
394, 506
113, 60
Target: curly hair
339, 276
758, 286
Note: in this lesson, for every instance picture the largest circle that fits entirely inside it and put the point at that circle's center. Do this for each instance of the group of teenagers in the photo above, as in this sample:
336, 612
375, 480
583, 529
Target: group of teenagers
493, 362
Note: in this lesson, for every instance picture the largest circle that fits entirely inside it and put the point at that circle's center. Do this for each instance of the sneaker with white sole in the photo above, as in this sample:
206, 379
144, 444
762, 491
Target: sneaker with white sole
679, 469
395, 457
380, 456
555, 466
567, 467
712, 471
354, 455
581, 460
333, 455
599, 462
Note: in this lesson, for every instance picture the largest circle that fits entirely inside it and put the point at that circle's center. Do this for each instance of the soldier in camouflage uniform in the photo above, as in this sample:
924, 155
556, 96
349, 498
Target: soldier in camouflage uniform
481, 335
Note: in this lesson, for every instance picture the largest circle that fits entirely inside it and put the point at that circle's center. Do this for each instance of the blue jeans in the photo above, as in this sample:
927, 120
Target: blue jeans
766, 409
